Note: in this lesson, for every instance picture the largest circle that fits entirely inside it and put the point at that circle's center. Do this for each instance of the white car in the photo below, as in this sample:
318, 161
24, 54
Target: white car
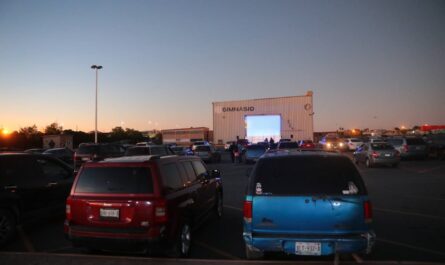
353, 143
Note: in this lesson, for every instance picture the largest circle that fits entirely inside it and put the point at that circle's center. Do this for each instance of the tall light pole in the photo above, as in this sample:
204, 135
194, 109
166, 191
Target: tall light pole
97, 68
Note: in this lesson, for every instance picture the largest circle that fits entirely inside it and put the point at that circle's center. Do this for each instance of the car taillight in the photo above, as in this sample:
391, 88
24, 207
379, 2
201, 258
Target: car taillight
161, 211
405, 148
397, 153
248, 211
368, 211
375, 154
68, 212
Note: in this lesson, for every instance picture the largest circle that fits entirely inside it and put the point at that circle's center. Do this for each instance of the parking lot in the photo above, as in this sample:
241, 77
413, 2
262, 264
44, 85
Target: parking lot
409, 218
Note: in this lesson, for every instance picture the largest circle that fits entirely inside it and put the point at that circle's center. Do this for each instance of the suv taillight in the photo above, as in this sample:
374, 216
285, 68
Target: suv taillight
367, 207
375, 154
68, 212
405, 148
160, 211
248, 211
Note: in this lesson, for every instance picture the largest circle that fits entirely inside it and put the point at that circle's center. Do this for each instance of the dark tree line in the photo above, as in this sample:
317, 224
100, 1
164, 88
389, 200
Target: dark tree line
31, 137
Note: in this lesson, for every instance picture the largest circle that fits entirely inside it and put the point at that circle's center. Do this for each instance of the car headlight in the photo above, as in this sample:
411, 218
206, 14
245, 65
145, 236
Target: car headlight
341, 144
329, 145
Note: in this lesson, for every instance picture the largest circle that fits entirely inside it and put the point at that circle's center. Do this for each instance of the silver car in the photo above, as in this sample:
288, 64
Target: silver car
372, 154
410, 147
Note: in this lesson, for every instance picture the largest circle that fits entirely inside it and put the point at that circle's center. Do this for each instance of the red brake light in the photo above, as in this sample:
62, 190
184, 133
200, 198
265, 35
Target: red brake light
160, 211
248, 211
375, 154
367, 206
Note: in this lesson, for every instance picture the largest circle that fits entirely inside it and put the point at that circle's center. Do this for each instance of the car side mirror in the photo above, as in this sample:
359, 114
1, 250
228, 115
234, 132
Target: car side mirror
215, 174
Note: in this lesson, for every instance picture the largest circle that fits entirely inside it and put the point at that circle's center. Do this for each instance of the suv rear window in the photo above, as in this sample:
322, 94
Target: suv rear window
306, 175
415, 141
382, 146
202, 148
288, 145
136, 151
88, 149
256, 147
112, 180
395, 141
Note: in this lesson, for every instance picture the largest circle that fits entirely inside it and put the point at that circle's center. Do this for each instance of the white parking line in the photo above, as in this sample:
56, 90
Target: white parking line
357, 258
409, 213
215, 250
411, 247
233, 208
25, 239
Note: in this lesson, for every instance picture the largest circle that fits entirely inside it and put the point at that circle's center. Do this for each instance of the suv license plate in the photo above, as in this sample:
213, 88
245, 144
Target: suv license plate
308, 248
109, 213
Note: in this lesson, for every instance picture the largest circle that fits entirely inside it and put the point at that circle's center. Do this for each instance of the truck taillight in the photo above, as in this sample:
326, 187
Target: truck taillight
248, 211
161, 211
367, 207
68, 212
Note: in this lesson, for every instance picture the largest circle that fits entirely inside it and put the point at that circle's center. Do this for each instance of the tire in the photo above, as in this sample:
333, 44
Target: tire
7, 226
368, 163
219, 209
252, 254
181, 248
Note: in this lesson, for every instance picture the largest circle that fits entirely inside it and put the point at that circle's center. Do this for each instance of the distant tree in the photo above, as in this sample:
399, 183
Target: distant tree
416, 128
118, 133
30, 131
133, 134
158, 138
53, 128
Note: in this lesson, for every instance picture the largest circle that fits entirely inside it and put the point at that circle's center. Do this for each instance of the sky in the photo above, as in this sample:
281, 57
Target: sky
370, 64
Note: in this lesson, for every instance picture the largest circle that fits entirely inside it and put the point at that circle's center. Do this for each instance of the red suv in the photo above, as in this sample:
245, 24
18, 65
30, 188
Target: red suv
141, 202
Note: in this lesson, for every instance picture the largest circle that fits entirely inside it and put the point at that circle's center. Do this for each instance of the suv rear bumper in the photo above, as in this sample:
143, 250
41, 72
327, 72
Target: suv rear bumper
125, 239
357, 243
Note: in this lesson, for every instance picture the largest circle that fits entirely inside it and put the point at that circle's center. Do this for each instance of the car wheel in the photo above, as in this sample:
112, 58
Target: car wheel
181, 248
253, 254
368, 163
219, 208
7, 226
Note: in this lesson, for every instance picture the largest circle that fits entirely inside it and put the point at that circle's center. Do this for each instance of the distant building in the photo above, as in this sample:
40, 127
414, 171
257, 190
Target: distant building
185, 136
58, 141
257, 119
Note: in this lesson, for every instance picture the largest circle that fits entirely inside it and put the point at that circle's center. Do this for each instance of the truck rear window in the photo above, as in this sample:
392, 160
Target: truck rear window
311, 175
415, 141
115, 180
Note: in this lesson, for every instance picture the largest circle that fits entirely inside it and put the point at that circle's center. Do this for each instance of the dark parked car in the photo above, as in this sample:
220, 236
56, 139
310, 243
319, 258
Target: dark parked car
208, 153
161, 150
143, 202
379, 153
287, 145
91, 151
34, 151
253, 152
31, 187
64, 154
308, 203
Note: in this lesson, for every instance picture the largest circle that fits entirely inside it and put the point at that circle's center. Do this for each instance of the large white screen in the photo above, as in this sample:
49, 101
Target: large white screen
260, 127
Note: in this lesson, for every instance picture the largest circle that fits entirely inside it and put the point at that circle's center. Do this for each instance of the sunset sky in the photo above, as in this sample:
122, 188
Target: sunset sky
370, 64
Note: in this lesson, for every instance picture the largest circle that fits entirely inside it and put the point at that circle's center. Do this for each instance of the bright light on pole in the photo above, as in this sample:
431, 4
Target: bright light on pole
97, 68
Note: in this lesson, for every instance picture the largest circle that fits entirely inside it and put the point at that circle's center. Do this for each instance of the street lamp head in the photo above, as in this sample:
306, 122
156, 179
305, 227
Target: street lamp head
99, 67
96, 66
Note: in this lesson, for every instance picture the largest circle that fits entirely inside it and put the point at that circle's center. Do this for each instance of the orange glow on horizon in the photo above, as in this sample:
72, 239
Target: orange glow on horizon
6, 132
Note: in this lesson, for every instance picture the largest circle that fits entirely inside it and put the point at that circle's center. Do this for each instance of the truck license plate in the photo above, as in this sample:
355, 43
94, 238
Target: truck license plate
308, 248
